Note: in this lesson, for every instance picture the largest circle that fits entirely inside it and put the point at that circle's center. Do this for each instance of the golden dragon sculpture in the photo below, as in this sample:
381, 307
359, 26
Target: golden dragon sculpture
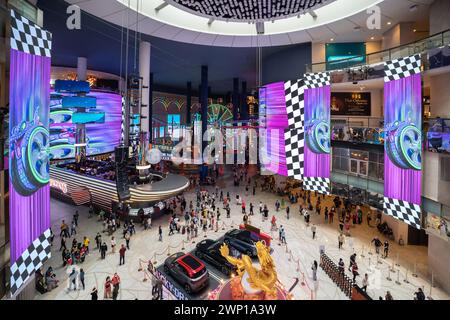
264, 279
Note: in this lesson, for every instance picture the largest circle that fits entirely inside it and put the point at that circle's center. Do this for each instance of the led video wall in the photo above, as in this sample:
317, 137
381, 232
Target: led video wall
29, 199
403, 141
274, 118
101, 137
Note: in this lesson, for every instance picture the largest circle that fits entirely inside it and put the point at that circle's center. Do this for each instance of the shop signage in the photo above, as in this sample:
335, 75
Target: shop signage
57, 184
170, 286
351, 104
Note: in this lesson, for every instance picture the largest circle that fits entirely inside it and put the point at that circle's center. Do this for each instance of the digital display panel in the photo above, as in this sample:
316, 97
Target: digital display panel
101, 137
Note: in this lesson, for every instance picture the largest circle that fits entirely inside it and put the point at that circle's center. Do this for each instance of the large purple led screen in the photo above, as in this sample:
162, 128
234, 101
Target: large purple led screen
274, 118
29, 200
403, 146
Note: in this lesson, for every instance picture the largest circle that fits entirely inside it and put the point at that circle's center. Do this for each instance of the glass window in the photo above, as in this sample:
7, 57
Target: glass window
161, 132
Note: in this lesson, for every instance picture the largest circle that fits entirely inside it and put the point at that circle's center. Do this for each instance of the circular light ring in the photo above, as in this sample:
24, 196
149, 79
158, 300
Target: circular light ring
404, 146
250, 10
318, 137
38, 155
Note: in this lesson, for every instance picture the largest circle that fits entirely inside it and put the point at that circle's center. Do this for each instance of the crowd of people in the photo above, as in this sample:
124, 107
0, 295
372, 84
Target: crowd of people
207, 213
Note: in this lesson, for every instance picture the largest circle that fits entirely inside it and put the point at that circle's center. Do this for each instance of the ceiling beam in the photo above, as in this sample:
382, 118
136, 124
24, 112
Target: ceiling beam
210, 21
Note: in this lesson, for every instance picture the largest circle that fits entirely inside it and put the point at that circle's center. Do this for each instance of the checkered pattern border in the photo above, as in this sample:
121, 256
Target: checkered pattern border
123, 123
28, 37
402, 210
294, 93
31, 260
402, 68
321, 185
295, 148
317, 80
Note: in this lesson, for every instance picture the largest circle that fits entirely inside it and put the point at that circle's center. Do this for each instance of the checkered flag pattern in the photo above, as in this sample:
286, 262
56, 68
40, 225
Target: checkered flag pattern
31, 260
317, 80
122, 125
295, 103
402, 210
402, 68
294, 146
321, 185
28, 37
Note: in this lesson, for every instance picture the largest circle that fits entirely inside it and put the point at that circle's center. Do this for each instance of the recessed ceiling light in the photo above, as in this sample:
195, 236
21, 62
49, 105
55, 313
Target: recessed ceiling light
389, 23
413, 8
332, 39
372, 38
415, 30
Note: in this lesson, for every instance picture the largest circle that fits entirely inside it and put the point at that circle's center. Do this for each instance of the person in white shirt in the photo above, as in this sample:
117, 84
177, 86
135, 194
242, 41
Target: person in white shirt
365, 282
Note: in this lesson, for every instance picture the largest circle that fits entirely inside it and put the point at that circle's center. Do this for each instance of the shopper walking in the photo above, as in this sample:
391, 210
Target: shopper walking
103, 250
73, 279
63, 243
94, 294
116, 285
127, 240
386, 249
122, 251
313, 230
365, 282
340, 241
287, 212
160, 234
314, 270
82, 278
355, 271
113, 245
108, 288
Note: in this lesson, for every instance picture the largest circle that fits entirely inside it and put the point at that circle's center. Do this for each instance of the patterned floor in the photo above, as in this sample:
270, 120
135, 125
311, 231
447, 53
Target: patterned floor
293, 261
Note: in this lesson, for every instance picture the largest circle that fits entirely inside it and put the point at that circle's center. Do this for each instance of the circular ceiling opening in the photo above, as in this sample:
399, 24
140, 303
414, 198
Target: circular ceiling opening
248, 10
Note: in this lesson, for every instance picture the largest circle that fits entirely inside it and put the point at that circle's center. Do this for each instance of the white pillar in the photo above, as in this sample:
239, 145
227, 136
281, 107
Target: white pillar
144, 72
82, 69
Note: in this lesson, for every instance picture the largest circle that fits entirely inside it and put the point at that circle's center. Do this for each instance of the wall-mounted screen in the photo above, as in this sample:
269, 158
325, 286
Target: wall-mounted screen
351, 104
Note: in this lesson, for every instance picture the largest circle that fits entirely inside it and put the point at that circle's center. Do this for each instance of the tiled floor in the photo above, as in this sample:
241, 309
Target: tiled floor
301, 247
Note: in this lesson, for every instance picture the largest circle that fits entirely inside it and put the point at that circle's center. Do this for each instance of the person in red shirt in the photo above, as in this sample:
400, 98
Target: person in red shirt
116, 283
122, 254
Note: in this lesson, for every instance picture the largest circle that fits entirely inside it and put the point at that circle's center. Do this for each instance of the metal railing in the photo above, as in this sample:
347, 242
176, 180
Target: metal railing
420, 46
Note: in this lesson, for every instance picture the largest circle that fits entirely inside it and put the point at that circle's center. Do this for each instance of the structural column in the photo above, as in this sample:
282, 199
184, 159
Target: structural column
188, 104
235, 99
244, 106
150, 110
144, 73
80, 135
204, 103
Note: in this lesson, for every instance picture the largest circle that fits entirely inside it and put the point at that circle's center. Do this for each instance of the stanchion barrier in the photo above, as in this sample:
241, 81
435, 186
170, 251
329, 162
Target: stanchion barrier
406, 277
415, 270
378, 259
289, 255
362, 252
431, 287
370, 251
223, 225
393, 266
183, 247
388, 278
396, 260
398, 278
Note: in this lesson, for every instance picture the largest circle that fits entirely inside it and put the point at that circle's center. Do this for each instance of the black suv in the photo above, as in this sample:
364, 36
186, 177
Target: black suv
209, 251
243, 241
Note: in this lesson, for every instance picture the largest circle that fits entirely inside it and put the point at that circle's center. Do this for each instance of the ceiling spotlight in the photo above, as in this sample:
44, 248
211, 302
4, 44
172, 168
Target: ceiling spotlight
413, 8
210, 21
161, 6
357, 28
332, 39
372, 38
415, 30
313, 14
389, 23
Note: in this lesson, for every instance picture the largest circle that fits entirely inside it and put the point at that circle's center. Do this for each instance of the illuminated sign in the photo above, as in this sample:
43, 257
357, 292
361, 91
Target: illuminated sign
56, 184
170, 286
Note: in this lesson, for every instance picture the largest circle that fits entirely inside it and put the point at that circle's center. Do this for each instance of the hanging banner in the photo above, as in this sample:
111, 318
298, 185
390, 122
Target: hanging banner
29, 199
403, 142
294, 135
317, 118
